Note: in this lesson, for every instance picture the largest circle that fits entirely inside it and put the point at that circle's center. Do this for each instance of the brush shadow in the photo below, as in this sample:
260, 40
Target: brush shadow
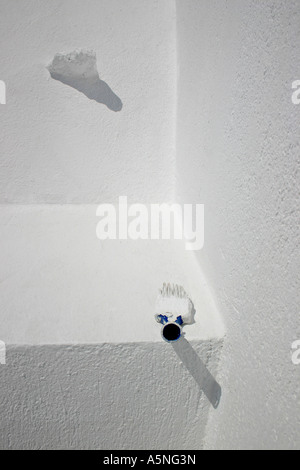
93, 88
199, 371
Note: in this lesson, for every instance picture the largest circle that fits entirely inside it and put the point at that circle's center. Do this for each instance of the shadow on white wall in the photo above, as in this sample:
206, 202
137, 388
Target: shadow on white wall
199, 371
78, 69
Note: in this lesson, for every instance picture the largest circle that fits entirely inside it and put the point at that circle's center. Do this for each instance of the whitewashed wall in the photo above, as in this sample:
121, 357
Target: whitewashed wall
238, 152
57, 146
228, 95
86, 366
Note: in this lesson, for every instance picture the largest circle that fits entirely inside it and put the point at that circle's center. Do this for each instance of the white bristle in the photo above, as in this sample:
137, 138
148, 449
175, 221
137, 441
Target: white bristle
173, 301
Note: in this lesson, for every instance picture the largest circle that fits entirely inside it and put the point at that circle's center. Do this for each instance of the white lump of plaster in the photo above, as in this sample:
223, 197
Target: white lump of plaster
173, 302
80, 64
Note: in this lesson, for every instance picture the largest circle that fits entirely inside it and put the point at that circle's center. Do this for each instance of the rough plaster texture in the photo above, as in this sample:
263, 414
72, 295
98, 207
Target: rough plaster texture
238, 153
58, 146
60, 149
61, 287
124, 396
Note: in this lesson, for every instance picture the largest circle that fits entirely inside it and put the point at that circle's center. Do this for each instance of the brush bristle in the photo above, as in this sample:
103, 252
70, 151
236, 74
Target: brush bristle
173, 301
169, 290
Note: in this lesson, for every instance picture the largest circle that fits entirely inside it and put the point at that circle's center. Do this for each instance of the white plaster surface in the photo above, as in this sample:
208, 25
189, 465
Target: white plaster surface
57, 145
86, 367
59, 284
95, 372
238, 153
122, 396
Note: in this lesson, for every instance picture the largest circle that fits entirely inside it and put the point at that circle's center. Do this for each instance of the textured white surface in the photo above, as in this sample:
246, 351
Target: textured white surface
59, 284
61, 149
238, 153
58, 146
80, 63
125, 396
